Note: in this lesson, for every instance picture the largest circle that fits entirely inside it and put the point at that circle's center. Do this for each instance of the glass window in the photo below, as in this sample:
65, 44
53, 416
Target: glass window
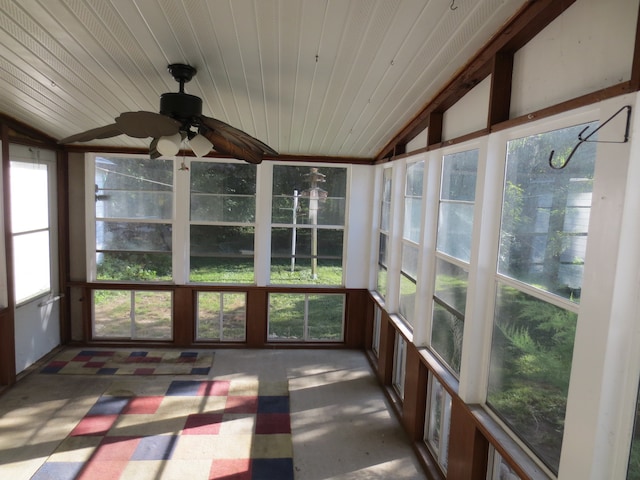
453, 254
383, 237
308, 215
306, 317
221, 316
130, 314
399, 364
222, 213
134, 218
498, 468
377, 321
437, 422
633, 469
542, 239
30, 229
545, 214
411, 239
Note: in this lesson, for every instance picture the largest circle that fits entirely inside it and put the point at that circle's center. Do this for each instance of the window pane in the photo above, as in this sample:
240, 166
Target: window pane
529, 370
134, 188
306, 317
457, 194
132, 236
326, 317
545, 212
32, 271
385, 211
410, 260
221, 316
459, 173
132, 314
286, 316
306, 255
29, 196
316, 194
437, 422
451, 285
221, 254
223, 192
446, 336
633, 470
126, 266
413, 202
407, 299
455, 226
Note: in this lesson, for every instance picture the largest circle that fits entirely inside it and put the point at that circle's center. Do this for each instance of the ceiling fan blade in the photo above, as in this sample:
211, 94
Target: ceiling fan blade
222, 145
147, 124
153, 149
101, 132
236, 136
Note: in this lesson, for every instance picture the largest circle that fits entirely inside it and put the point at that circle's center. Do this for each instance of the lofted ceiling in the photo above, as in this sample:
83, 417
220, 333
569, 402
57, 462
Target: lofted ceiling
332, 78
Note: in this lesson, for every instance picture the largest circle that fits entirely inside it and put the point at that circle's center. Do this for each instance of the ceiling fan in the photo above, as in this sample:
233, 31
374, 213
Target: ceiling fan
181, 117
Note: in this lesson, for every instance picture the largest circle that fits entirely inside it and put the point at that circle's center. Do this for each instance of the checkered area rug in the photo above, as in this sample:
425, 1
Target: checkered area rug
211, 429
130, 362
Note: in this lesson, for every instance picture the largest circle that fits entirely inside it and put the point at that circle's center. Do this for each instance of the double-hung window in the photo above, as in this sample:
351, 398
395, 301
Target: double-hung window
307, 224
453, 254
411, 239
384, 232
543, 236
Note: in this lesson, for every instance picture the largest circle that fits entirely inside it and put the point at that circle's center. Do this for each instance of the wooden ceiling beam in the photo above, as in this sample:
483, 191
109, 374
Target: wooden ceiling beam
532, 18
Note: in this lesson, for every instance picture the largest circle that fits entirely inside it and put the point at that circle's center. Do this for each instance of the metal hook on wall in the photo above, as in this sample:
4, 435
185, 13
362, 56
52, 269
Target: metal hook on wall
453, 5
582, 139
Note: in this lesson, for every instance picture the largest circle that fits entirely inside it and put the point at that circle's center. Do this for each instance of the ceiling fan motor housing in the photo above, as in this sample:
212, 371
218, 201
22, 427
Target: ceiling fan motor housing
180, 106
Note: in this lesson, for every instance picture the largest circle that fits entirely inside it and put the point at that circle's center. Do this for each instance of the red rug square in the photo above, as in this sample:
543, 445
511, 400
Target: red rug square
94, 425
203, 424
143, 405
241, 404
231, 469
115, 448
269, 423
214, 388
103, 470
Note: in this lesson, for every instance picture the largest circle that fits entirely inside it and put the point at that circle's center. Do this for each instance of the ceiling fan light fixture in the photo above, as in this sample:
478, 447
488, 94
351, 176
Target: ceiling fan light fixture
169, 145
200, 145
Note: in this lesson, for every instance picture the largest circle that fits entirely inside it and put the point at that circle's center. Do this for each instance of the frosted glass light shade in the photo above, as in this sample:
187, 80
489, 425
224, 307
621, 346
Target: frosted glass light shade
200, 145
169, 145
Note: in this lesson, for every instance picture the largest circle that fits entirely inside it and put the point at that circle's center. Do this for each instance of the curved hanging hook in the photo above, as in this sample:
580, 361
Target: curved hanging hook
452, 6
582, 139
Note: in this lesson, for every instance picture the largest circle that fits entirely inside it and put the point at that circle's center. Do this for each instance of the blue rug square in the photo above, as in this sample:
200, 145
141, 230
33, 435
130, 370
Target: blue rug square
58, 471
273, 404
184, 388
107, 405
155, 447
272, 468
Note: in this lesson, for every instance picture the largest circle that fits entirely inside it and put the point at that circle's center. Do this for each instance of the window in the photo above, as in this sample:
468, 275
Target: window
498, 468
134, 218
222, 213
411, 239
384, 232
545, 216
453, 254
130, 314
221, 316
306, 317
437, 422
399, 364
377, 321
633, 469
30, 229
307, 224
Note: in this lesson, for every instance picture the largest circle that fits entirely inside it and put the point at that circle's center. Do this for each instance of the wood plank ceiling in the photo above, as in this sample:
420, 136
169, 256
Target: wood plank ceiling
336, 78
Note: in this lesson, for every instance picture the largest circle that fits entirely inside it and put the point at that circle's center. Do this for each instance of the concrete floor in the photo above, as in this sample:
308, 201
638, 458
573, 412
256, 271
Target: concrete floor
342, 426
